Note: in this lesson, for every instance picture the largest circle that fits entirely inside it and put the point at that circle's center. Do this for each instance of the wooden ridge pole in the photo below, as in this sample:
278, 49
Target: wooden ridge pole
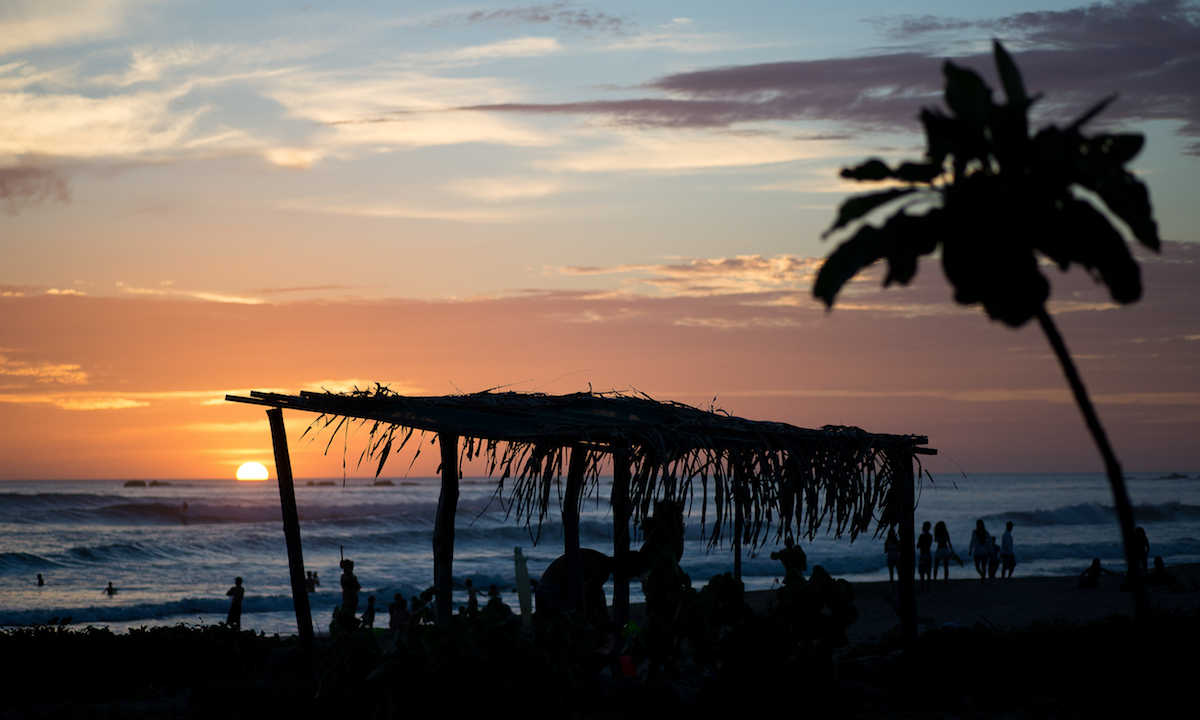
443, 529
291, 534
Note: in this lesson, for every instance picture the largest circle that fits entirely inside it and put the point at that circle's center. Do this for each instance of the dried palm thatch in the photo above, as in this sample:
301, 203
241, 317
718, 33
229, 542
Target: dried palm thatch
770, 480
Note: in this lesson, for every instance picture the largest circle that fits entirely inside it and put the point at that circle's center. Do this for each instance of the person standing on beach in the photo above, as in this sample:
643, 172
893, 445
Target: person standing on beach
925, 556
891, 549
472, 597
944, 548
350, 588
1142, 543
979, 549
1008, 560
234, 620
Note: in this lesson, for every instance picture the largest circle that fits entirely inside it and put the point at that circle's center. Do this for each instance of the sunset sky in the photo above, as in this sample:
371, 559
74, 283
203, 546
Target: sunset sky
208, 198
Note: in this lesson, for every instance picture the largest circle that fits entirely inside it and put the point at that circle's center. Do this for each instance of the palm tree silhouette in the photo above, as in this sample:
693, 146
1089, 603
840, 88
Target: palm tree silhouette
994, 199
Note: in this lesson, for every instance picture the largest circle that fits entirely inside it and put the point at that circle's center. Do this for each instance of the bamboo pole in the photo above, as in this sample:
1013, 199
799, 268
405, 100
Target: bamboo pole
443, 528
620, 505
291, 534
575, 590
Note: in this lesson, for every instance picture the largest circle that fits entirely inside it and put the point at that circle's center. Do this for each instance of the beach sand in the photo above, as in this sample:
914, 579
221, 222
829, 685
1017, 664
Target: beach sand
1013, 602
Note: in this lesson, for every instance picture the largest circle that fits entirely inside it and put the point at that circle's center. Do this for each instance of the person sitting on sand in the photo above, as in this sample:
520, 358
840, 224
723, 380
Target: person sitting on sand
1090, 578
793, 558
368, 616
110, 589
979, 549
945, 549
234, 619
925, 555
1008, 560
1159, 577
891, 549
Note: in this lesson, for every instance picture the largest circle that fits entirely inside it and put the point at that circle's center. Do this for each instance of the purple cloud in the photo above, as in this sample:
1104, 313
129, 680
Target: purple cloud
1148, 52
21, 187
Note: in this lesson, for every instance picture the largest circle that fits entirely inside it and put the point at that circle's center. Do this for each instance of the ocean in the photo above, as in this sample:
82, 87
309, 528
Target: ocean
172, 564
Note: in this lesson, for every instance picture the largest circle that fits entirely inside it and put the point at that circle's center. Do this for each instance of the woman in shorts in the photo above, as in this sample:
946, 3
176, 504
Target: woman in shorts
945, 548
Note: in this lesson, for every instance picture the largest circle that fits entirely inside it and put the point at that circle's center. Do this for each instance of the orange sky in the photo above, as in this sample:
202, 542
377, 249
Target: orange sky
117, 387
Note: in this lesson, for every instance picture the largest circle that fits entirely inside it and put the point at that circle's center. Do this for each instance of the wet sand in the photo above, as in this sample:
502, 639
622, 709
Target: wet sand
1013, 602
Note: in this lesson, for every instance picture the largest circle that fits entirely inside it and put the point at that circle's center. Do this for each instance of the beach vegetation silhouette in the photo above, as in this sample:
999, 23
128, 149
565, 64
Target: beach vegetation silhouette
994, 201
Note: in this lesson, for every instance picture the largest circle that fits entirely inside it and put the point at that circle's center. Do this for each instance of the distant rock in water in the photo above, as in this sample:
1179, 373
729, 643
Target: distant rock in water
156, 483
135, 483
328, 483
384, 483
1174, 476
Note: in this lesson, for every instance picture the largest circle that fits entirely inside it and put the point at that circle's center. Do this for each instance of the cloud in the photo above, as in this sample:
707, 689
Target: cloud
39, 23
562, 14
22, 187
191, 294
682, 150
705, 277
45, 373
358, 208
504, 189
1149, 52
517, 47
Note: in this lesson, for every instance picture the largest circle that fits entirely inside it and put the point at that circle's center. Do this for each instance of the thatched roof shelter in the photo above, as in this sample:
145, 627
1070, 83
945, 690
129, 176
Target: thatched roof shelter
759, 479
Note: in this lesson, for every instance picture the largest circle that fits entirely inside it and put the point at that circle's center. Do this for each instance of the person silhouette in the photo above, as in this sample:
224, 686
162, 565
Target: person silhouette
945, 549
398, 612
979, 549
310, 582
1142, 544
234, 620
891, 550
110, 589
1008, 559
472, 596
350, 588
925, 556
41, 581
1090, 578
368, 616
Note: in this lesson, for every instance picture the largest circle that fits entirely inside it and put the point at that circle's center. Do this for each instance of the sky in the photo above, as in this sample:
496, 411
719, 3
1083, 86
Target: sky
204, 198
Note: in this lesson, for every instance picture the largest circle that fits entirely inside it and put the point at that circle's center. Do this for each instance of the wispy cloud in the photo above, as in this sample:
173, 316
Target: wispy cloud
44, 373
505, 189
514, 48
348, 206
22, 187
168, 291
39, 23
703, 277
563, 14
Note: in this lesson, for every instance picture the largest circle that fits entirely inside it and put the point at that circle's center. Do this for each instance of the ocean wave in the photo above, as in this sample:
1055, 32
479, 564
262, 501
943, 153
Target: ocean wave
107, 613
1096, 514
20, 563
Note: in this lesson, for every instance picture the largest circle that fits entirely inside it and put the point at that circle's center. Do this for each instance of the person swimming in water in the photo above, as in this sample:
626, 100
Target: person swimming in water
110, 590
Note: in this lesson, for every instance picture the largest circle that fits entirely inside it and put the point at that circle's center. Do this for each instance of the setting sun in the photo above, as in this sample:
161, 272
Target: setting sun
252, 471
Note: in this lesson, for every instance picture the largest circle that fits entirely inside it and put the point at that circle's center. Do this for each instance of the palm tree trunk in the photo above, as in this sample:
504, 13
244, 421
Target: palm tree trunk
1120, 497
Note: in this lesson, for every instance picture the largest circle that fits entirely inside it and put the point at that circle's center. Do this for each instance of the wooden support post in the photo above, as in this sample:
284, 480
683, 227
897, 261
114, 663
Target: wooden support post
908, 590
620, 507
738, 480
575, 591
443, 529
291, 534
